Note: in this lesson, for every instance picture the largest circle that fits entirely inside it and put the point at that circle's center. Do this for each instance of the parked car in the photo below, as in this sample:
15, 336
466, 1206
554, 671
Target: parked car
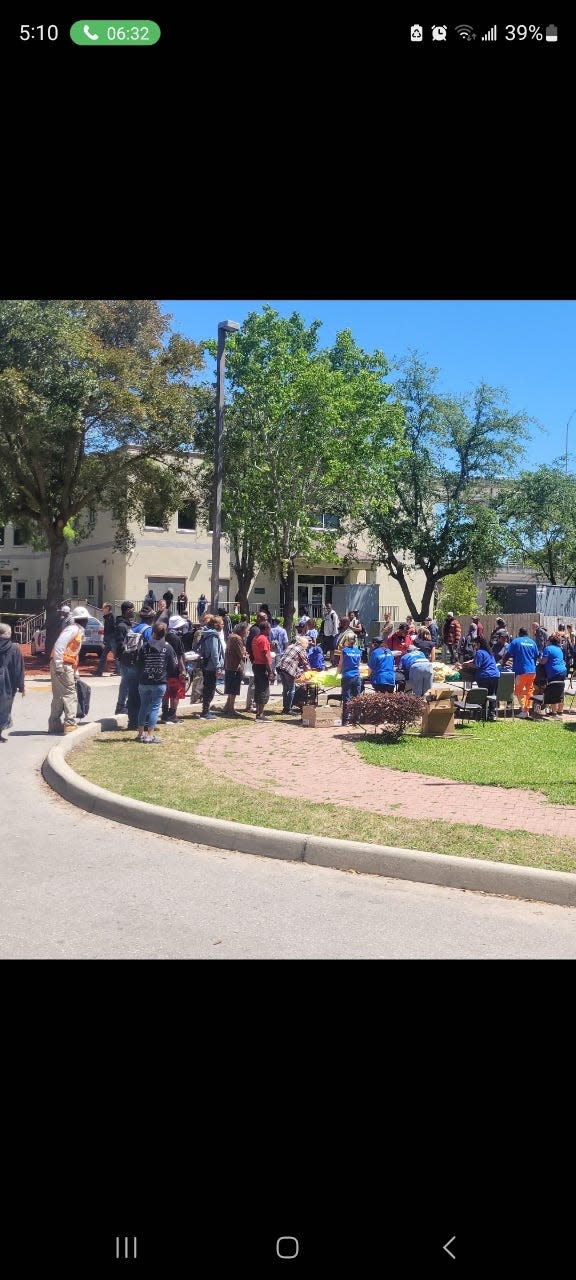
93, 643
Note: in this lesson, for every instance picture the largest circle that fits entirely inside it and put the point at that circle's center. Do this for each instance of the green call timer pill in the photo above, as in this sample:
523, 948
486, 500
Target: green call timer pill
111, 33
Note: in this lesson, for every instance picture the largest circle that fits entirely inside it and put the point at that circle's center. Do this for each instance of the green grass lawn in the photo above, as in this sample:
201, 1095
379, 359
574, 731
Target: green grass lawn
175, 777
536, 755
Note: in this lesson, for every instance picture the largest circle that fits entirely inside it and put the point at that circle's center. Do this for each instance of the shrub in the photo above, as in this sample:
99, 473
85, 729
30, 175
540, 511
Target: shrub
393, 712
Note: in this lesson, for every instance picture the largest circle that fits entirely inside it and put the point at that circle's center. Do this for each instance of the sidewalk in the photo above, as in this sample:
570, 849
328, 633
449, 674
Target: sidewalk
74, 885
323, 765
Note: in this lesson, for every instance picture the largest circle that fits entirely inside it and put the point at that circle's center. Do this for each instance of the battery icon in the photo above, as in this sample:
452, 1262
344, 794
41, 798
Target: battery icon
551, 33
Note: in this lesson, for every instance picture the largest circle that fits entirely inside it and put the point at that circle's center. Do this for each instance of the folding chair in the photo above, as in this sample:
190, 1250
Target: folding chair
571, 692
553, 693
474, 701
504, 693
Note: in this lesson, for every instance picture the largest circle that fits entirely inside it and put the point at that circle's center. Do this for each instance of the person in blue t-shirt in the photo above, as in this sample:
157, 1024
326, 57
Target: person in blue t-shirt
524, 653
553, 666
381, 663
418, 671
483, 668
349, 669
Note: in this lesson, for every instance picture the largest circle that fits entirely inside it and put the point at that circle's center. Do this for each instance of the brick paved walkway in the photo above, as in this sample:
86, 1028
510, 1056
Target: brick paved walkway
322, 764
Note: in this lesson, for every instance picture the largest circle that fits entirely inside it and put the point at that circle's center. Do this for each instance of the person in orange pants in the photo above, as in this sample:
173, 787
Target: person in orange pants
524, 654
523, 688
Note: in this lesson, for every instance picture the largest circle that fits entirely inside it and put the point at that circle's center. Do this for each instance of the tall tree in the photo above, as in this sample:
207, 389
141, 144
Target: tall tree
94, 397
540, 508
446, 513
305, 428
459, 593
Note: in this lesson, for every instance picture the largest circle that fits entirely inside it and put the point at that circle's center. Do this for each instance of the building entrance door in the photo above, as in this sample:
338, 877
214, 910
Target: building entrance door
310, 598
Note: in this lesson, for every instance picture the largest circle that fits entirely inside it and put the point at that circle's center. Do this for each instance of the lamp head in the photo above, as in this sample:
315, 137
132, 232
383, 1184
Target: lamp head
229, 326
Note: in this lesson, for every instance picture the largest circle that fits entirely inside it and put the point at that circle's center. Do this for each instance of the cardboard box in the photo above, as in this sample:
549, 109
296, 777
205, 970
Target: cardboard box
319, 717
438, 720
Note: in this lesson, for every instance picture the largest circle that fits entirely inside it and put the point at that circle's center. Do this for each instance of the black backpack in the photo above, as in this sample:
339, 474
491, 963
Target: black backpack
131, 647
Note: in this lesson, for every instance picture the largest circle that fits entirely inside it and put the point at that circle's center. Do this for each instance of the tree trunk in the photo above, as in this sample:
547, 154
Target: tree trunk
419, 614
287, 584
244, 568
55, 591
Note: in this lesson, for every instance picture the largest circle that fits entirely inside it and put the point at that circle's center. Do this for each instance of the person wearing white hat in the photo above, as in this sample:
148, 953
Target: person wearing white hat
64, 661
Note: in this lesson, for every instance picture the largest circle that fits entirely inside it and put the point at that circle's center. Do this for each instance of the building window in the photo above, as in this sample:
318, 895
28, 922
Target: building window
19, 538
90, 586
154, 517
74, 588
325, 521
38, 586
20, 590
1, 535
187, 517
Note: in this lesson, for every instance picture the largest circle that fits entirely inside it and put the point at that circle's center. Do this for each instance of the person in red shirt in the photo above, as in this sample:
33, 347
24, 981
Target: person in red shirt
400, 642
262, 668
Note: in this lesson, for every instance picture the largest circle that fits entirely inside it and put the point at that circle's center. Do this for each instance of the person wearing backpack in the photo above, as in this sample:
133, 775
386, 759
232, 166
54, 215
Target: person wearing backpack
128, 699
211, 652
156, 664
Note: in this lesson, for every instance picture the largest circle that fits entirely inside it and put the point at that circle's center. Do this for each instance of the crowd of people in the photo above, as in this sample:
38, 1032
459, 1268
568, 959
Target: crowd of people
154, 652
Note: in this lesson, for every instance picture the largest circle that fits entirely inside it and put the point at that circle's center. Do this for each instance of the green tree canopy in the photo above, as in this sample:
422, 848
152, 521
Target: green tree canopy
540, 508
459, 594
446, 512
94, 396
305, 431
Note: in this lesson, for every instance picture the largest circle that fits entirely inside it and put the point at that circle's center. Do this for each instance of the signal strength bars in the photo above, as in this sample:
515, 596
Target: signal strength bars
490, 35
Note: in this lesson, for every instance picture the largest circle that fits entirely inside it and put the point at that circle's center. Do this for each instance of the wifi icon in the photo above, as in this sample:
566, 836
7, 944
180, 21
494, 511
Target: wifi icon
465, 33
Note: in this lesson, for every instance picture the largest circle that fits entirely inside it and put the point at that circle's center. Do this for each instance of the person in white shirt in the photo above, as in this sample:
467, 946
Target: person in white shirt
331, 626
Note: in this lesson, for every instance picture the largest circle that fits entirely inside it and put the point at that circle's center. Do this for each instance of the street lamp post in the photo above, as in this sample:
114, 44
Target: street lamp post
567, 425
225, 326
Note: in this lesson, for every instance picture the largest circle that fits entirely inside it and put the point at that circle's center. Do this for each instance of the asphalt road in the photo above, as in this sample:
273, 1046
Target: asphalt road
77, 886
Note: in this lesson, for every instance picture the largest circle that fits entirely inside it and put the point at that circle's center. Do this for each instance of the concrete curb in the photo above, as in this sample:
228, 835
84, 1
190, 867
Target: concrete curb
343, 855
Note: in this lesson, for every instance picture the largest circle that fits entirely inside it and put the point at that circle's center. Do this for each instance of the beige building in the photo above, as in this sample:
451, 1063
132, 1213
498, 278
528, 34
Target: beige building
178, 557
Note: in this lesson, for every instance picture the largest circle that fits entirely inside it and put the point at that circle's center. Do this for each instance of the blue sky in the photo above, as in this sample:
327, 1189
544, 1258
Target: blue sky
528, 347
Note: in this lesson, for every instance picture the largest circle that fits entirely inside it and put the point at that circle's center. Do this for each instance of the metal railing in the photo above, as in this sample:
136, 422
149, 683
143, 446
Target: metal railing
25, 627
